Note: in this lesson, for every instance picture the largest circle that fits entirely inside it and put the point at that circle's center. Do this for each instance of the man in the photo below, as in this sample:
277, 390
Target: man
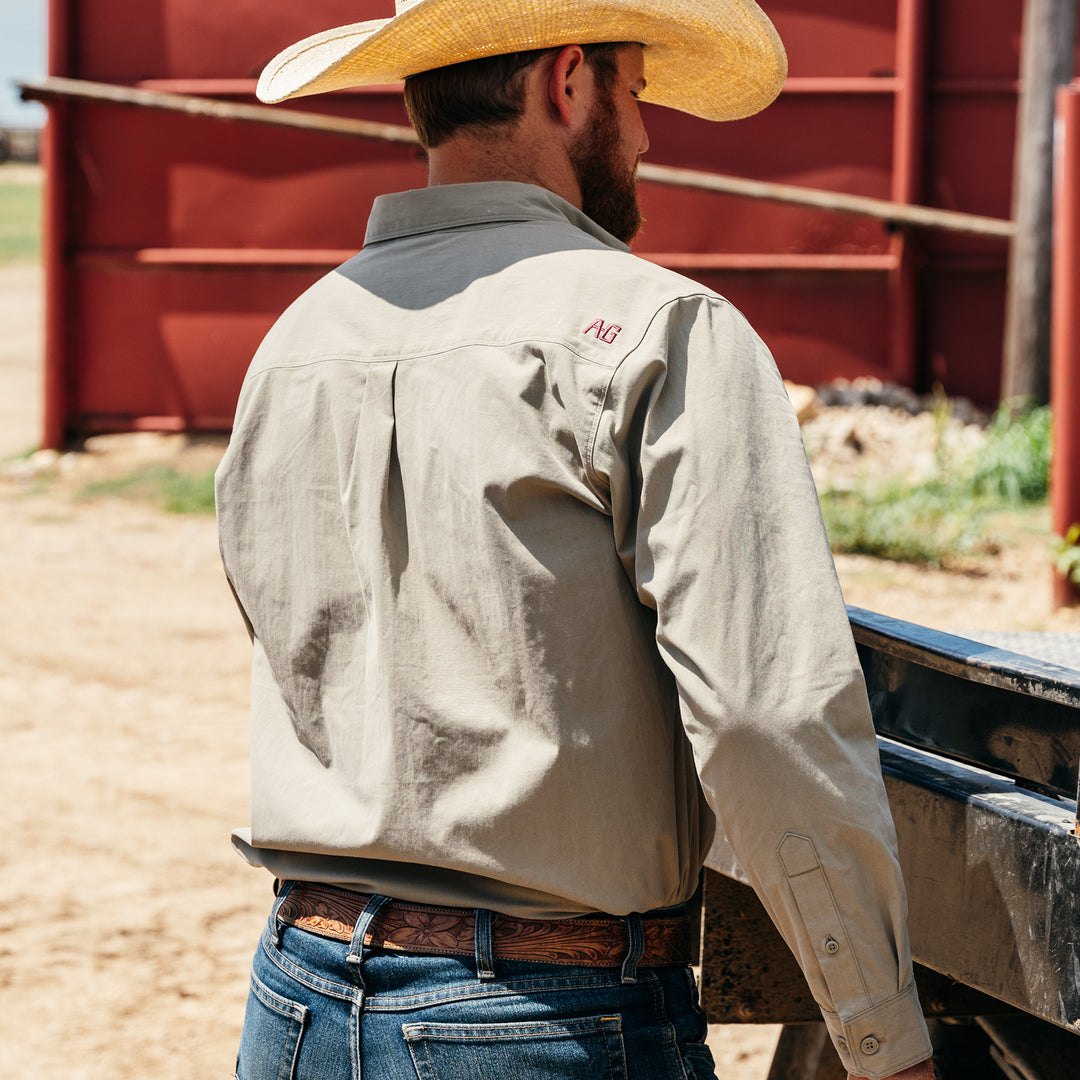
539, 593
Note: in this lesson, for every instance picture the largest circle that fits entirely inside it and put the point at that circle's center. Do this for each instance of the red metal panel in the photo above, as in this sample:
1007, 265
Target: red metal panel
160, 227
970, 142
163, 226
686, 220
970, 132
819, 326
963, 323
976, 39
175, 326
843, 146
126, 41
842, 37
187, 186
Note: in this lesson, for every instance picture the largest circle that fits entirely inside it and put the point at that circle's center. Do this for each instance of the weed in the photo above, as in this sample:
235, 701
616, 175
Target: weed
189, 493
1067, 554
1013, 465
175, 492
921, 523
946, 518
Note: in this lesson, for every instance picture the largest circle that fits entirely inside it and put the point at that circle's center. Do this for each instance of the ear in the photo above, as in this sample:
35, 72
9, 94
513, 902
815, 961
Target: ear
568, 84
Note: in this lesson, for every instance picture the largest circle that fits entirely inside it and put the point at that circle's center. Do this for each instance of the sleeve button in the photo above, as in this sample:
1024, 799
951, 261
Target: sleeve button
832, 946
869, 1045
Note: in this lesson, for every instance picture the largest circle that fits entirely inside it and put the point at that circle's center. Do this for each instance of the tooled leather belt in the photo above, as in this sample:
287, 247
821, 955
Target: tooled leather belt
590, 941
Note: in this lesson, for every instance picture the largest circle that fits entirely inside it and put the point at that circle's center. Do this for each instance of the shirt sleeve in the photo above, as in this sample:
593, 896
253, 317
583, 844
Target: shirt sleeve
717, 523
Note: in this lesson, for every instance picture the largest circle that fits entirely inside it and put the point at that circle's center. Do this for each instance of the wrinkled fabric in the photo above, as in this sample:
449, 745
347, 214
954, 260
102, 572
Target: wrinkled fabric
525, 536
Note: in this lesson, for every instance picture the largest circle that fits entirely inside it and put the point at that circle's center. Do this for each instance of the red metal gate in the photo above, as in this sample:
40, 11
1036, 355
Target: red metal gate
172, 242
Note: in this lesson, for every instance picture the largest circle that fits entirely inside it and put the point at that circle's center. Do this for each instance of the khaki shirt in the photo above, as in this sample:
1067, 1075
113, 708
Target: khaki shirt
539, 591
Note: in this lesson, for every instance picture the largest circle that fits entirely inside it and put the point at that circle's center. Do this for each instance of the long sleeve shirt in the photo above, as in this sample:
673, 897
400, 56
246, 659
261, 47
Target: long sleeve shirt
525, 536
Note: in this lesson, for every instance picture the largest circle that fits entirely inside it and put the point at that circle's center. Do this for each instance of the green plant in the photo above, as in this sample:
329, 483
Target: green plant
923, 523
1013, 465
942, 413
1067, 554
175, 492
189, 493
946, 517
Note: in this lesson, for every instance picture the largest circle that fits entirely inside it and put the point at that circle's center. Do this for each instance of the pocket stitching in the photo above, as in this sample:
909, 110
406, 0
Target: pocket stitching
281, 1005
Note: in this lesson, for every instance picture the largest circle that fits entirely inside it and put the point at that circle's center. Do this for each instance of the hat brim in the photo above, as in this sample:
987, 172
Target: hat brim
717, 59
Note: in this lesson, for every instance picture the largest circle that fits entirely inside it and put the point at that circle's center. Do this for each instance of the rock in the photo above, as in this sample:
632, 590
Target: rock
804, 400
900, 397
852, 439
29, 468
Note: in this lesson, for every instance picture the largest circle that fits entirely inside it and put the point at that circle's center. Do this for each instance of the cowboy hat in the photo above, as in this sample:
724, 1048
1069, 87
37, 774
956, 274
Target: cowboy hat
718, 59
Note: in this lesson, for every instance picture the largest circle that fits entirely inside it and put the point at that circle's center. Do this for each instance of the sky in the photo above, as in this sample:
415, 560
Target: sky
22, 55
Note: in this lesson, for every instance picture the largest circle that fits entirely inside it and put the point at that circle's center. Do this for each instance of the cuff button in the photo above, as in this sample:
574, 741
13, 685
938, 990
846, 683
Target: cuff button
832, 946
869, 1045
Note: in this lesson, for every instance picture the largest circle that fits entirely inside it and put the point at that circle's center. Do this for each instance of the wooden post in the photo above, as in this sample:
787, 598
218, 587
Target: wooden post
1047, 53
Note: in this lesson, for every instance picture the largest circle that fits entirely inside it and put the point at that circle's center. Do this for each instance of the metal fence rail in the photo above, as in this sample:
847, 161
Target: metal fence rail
894, 213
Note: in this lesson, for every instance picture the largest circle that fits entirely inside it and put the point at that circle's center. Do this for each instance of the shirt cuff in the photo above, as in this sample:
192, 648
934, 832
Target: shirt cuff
883, 1040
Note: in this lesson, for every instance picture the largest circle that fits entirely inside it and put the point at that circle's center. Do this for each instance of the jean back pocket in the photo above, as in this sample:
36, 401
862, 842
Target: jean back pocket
590, 1048
270, 1042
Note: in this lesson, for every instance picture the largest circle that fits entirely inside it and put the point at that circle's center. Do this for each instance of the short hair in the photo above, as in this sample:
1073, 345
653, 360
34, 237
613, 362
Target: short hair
483, 95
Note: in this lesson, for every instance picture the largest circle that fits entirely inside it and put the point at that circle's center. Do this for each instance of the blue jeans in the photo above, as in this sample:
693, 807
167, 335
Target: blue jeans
321, 1009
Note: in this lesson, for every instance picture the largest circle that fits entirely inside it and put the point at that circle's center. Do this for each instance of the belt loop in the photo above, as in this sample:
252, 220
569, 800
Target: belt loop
367, 916
485, 953
635, 947
281, 894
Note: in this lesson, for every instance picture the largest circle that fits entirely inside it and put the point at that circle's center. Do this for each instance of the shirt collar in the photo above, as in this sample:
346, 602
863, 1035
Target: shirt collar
454, 206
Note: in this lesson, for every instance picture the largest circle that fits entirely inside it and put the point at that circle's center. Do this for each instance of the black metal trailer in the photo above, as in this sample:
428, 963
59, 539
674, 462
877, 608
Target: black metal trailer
980, 749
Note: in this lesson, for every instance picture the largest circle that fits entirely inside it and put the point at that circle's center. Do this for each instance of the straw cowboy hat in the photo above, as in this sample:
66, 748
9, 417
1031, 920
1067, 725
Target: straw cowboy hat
718, 59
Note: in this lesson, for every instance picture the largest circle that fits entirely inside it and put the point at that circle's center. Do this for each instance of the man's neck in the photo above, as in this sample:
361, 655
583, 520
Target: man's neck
464, 160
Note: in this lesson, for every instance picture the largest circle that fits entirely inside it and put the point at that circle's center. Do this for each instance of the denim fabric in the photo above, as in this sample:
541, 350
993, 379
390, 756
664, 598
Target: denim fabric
314, 1015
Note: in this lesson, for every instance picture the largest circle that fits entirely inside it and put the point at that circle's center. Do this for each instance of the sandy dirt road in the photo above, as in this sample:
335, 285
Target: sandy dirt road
126, 922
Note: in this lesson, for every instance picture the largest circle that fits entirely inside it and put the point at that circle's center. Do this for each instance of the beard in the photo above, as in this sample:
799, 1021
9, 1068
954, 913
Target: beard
608, 185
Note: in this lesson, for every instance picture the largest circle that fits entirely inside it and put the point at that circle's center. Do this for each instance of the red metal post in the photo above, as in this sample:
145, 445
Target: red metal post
1065, 327
909, 121
54, 422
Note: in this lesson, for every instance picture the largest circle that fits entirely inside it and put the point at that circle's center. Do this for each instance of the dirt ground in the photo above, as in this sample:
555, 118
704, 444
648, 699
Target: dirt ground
126, 922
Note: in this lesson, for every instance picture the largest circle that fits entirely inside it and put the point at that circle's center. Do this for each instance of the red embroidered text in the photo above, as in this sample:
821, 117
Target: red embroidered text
606, 333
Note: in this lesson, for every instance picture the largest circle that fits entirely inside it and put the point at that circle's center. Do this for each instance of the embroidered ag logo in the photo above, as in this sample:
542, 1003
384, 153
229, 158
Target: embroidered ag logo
605, 333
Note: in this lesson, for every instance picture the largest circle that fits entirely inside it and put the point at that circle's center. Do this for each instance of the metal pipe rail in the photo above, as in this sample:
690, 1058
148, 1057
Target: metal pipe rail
980, 750
996, 710
892, 213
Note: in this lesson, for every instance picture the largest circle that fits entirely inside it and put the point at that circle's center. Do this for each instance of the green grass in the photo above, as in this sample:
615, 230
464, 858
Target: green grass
175, 492
1013, 467
20, 222
949, 516
922, 523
